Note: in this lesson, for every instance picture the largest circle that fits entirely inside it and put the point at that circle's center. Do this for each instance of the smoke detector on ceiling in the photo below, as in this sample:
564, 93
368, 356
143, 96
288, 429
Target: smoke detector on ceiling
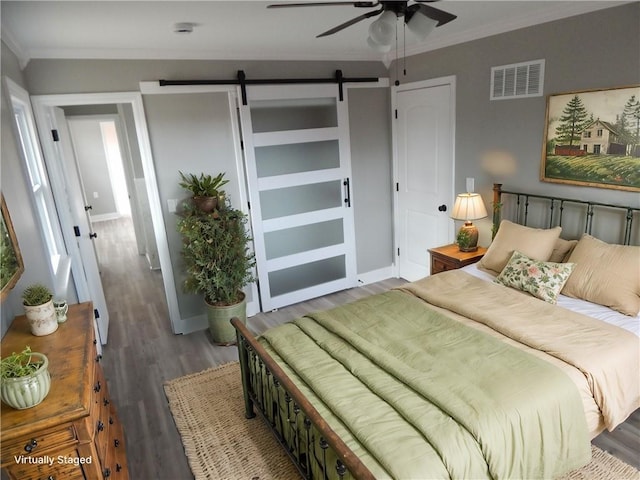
183, 27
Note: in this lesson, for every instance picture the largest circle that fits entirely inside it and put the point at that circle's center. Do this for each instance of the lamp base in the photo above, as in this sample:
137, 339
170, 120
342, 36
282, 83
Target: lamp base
467, 239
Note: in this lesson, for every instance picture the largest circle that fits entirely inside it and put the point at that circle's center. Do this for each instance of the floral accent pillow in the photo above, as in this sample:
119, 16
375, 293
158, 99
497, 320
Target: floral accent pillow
543, 280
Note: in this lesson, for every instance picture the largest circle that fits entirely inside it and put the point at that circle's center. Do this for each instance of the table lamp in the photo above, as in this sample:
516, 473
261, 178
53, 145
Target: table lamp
468, 206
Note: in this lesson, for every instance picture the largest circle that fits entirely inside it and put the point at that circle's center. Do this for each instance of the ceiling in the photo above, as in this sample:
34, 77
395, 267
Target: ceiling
244, 30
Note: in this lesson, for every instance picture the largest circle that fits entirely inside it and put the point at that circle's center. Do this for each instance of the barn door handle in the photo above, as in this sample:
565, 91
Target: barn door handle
442, 208
347, 200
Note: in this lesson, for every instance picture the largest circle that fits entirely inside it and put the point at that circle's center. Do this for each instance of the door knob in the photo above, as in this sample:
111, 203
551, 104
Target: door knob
442, 208
93, 235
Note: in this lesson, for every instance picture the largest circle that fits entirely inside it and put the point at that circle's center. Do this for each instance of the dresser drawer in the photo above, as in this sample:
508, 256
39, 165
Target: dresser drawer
62, 465
38, 444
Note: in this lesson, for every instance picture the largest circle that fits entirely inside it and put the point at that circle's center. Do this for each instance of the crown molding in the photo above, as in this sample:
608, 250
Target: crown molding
156, 54
10, 41
558, 12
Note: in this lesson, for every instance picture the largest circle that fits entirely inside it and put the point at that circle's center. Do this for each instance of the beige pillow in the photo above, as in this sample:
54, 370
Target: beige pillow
535, 243
562, 250
605, 274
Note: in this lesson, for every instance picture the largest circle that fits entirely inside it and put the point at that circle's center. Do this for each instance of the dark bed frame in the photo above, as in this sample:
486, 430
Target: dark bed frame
294, 421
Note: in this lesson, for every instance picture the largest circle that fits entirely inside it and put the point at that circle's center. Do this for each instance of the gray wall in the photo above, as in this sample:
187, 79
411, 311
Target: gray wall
495, 141
192, 133
92, 162
189, 133
501, 141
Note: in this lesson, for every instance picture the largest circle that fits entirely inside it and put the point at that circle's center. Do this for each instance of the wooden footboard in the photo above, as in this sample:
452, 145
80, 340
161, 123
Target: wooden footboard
316, 450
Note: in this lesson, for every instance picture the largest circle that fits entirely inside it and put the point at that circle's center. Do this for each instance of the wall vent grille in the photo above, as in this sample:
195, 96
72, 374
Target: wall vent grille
518, 80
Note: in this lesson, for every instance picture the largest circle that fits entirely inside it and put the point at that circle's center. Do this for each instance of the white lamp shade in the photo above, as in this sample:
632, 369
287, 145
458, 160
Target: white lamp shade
421, 25
382, 31
468, 206
378, 46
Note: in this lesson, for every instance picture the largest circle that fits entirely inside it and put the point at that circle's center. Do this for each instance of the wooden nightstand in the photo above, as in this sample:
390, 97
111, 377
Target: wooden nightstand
449, 257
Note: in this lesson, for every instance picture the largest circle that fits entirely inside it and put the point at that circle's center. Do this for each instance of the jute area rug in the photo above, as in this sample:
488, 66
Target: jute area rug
220, 443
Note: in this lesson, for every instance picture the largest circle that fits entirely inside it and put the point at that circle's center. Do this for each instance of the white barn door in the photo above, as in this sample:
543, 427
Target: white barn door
297, 153
424, 139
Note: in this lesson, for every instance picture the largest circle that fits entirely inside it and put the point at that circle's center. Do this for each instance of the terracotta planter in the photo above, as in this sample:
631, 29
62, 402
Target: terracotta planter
219, 318
42, 318
28, 391
206, 204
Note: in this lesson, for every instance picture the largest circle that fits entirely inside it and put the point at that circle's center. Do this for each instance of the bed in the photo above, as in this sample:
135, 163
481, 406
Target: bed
484, 372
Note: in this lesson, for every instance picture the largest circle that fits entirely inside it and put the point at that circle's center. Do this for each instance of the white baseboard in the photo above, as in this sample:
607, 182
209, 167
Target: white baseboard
376, 275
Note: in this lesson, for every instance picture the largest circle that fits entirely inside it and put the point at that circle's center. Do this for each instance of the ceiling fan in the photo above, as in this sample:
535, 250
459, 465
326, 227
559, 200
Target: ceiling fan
420, 18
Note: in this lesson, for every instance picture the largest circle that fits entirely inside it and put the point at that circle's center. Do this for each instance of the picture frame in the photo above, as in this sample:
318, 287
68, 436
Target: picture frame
592, 138
11, 265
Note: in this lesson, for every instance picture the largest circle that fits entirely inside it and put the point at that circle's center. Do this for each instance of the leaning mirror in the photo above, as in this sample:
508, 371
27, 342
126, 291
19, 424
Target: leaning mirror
11, 265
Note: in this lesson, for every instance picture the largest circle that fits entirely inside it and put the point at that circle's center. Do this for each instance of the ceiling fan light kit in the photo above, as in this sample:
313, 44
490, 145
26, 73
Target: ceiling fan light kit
421, 26
382, 31
419, 18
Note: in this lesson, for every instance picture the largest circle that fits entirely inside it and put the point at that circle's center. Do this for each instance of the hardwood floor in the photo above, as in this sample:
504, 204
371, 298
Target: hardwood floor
143, 353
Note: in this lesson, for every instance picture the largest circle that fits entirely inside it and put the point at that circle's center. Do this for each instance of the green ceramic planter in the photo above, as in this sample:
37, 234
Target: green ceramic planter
219, 319
28, 391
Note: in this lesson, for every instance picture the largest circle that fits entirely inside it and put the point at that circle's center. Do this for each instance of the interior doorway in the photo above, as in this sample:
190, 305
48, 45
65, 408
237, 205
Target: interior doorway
63, 173
114, 196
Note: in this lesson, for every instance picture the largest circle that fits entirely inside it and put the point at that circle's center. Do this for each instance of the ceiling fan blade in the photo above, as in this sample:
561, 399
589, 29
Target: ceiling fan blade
322, 4
350, 22
440, 16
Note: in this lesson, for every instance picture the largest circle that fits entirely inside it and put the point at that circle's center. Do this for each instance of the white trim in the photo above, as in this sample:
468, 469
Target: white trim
295, 136
297, 179
60, 270
378, 275
433, 82
301, 219
308, 256
43, 102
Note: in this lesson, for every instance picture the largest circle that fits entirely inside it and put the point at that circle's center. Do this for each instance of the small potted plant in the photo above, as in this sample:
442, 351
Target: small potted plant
218, 264
205, 189
24, 379
37, 300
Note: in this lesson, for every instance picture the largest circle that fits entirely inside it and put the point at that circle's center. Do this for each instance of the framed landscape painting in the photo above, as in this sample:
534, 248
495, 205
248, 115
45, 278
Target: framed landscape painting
593, 138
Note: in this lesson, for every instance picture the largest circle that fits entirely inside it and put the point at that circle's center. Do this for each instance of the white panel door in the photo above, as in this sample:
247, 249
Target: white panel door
424, 138
86, 274
296, 143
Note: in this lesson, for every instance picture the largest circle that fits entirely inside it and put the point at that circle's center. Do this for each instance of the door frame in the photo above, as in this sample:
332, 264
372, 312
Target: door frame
41, 105
447, 80
153, 88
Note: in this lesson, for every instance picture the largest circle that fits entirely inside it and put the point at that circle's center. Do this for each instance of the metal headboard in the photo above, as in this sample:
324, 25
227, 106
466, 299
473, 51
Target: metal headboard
555, 207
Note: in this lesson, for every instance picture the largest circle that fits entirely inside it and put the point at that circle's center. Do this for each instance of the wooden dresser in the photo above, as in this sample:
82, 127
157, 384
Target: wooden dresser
75, 432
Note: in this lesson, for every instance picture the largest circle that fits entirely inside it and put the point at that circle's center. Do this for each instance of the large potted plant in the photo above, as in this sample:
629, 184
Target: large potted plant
205, 189
24, 379
37, 300
218, 263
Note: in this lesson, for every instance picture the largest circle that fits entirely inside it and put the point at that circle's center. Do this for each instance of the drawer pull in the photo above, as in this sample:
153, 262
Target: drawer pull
100, 425
29, 447
105, 402
51, 477
110, 420
97, 387
118, 467
98, 358
116, 442
106, 473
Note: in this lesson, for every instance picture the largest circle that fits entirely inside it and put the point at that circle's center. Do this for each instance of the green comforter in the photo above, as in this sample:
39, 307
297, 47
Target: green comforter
418, 395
